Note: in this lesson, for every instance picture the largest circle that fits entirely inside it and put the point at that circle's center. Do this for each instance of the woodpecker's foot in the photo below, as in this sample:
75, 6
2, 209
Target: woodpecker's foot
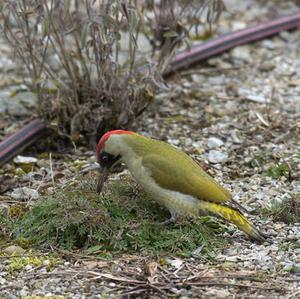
169, 221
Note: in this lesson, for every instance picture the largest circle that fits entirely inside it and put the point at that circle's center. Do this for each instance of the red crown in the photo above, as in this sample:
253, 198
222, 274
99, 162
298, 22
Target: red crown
105, 137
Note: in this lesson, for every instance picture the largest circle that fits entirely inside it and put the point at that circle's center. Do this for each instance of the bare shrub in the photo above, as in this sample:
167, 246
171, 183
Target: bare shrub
87, 81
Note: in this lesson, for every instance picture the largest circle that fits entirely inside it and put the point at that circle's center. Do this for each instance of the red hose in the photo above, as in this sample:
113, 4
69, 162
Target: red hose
27, 135
17, 142
223, 43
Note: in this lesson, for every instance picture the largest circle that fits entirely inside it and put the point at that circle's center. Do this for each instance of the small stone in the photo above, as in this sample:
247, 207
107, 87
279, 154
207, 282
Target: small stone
28, 268
174, 141
214, 142
269, 44
6, 64
24, 193
217, 157
235, 138
266, 66
13, 249
2, 281
258, 98
46, 263
232, 259
175, 262
23, 293
214, 293
49, 294
242, 53
26, 160
293, 237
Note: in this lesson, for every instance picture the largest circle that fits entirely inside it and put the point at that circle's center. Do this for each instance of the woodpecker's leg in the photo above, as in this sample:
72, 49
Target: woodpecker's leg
169, 221
172, 219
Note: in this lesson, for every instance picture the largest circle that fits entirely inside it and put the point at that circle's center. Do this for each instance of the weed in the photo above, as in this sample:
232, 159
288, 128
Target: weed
260, 159
287, 210
278, 170
286, 246
18, 263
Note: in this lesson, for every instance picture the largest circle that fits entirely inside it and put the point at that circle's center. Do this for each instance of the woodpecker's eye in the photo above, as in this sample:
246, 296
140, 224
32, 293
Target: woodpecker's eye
107, 160
104, 157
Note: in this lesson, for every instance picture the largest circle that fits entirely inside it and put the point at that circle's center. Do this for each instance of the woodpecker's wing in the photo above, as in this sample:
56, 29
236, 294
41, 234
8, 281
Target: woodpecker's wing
176, 171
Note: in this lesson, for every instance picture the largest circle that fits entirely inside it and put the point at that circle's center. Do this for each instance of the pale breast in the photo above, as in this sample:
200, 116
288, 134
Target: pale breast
175, 202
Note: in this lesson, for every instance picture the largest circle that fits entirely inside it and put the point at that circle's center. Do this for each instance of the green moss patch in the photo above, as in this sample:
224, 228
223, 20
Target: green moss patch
122, 219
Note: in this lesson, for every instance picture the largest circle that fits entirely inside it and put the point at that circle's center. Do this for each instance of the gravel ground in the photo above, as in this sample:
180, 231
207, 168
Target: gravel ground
234, 114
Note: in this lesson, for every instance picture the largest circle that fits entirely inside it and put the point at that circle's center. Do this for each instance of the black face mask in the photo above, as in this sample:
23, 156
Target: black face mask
106, 160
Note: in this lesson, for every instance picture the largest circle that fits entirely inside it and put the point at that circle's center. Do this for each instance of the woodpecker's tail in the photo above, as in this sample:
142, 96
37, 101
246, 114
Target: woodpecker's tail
234, 216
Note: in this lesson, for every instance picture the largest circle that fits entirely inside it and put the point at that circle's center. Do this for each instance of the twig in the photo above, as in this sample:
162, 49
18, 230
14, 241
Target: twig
134, 291
77, 255
19, 256
113, 277
156, 288
229, 284
208, 71
51, 169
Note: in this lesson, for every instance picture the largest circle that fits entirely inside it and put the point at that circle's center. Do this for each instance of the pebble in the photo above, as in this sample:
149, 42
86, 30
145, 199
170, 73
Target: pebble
2, 281
242, 53
217, 157
23, 292
46, 262
24, 193
258, 98
266, 66
28, 268
25, 160
216, 293
6, 64
13, 249
214, 142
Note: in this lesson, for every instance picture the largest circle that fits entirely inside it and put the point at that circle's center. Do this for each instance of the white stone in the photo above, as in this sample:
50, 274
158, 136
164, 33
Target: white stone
242, 53
25, 160
217, 157
28, 268
175, 263
46, 263
24, 193
2, 281
214, 142
258, 98
23, 293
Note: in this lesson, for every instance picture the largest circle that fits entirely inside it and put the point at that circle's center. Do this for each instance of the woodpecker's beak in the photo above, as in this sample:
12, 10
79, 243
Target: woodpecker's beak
103, 175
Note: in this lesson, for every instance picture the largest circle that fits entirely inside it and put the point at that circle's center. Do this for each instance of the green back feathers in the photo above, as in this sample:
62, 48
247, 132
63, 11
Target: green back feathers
174, 170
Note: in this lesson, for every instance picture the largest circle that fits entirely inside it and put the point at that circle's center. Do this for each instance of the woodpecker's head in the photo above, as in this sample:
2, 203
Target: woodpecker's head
108, 153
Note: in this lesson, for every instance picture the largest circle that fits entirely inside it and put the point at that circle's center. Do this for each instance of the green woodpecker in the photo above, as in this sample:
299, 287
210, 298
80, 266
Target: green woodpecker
171, 177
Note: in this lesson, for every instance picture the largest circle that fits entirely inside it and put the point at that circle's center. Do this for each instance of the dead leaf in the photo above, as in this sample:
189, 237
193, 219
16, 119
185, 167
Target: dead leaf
151, 269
